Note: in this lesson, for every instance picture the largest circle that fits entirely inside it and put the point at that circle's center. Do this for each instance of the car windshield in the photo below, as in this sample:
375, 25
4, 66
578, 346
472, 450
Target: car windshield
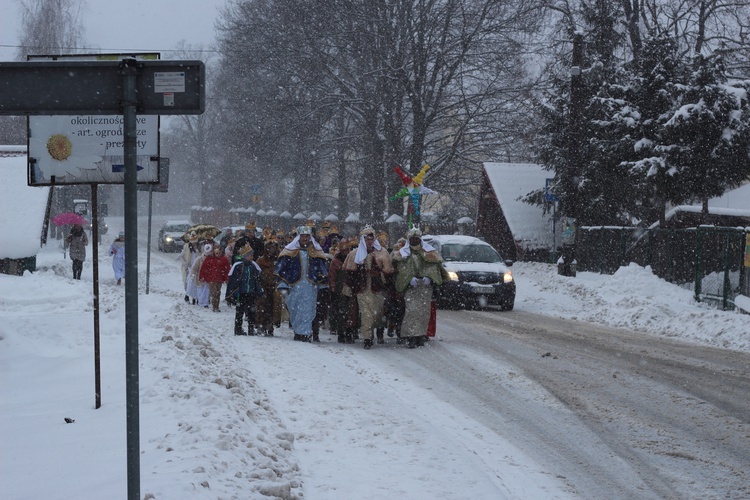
469, 253
176, 228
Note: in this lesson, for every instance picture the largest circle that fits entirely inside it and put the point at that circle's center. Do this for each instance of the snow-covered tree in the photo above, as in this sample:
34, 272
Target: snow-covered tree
706, 141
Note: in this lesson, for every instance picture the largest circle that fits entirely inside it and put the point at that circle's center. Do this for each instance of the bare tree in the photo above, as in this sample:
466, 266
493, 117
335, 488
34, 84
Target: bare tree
191, 140
371, 84
50, 27
47, 27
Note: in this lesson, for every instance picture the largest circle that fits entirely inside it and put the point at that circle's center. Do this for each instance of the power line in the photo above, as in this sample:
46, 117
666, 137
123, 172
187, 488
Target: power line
96, 49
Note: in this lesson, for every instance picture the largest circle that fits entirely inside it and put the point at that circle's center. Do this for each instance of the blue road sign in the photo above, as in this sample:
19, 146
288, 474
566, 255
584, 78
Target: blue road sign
121, 168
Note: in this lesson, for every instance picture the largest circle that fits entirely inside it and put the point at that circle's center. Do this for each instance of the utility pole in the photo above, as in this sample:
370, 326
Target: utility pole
570, 181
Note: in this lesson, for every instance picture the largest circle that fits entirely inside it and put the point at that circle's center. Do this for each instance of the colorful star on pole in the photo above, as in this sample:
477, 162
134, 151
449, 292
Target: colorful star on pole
413, 187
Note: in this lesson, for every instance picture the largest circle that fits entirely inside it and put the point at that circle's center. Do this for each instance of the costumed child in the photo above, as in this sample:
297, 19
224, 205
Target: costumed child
244, 288
117, 250
190, 252
215, 272
200, 287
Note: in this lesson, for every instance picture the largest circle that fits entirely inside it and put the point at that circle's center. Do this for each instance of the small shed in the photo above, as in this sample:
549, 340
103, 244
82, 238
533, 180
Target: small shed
518, 230
22, 213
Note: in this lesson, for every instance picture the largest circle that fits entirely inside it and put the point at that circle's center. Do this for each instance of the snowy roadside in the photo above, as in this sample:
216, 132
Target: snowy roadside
223, 417
632, 298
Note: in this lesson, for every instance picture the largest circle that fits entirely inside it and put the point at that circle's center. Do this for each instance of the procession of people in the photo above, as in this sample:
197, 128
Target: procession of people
311, 278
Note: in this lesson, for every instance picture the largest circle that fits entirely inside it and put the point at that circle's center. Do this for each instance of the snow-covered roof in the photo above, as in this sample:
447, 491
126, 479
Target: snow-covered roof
21, 208
734, 203
510, 181
737, 199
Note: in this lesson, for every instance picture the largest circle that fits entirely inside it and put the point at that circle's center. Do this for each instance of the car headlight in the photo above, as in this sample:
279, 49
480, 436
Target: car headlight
507, 277
168, 239
453, 275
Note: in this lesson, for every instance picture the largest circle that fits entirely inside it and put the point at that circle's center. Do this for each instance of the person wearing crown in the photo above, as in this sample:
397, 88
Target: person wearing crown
366, 268
419, 268
332, 234
301, 269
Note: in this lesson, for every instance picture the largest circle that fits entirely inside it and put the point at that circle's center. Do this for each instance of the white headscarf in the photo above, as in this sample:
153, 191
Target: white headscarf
207, 248
294, 245
405, 250
362, 249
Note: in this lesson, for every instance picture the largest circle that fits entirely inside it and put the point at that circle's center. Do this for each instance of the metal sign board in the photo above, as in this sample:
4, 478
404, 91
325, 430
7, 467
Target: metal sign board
88, 149
96, 87
163, 185
91, 136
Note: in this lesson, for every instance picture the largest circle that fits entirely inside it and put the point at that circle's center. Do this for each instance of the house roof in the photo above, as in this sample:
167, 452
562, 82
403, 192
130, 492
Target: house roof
21, 207
734, 203
511, 181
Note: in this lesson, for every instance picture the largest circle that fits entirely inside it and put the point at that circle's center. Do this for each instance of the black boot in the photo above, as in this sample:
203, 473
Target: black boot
187, 299
411, 342
316, 330
342, 338
381, 340
238, 324
368, 344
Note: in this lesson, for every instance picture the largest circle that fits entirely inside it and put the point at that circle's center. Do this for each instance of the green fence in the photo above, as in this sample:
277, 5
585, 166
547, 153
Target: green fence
708, 259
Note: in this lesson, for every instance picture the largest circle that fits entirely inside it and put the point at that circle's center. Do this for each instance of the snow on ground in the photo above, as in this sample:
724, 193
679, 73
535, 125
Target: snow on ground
251, 417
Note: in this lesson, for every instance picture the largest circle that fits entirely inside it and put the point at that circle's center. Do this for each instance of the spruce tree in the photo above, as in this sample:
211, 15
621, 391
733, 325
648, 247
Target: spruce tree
707, 137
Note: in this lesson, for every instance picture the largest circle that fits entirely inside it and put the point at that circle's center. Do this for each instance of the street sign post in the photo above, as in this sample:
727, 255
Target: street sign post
127, 87
97, 87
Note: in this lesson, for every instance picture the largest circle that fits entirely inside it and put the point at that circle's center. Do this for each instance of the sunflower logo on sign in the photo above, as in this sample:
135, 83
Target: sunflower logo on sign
59, 154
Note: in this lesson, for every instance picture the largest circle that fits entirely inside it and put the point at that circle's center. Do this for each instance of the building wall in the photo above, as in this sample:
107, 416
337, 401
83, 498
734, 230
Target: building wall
491, 223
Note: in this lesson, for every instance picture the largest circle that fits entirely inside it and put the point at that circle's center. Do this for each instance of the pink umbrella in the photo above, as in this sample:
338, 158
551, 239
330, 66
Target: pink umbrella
69, 218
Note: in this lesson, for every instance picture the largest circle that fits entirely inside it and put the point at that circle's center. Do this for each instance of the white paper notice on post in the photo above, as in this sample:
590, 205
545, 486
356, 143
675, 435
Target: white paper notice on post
170, 81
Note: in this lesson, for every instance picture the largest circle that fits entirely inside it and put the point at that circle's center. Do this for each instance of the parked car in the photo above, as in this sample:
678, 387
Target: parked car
478, 274
170, 235
103, 227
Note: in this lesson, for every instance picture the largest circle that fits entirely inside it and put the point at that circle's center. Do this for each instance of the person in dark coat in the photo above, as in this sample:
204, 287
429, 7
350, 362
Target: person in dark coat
244, 287
76, 242
268, 306
251, 233
341, 294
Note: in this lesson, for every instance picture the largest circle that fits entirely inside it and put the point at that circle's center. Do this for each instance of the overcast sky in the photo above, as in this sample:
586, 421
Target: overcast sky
135, 25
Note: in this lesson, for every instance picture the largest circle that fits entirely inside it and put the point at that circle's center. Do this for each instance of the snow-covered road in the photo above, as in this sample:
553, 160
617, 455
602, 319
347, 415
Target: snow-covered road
498, 405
